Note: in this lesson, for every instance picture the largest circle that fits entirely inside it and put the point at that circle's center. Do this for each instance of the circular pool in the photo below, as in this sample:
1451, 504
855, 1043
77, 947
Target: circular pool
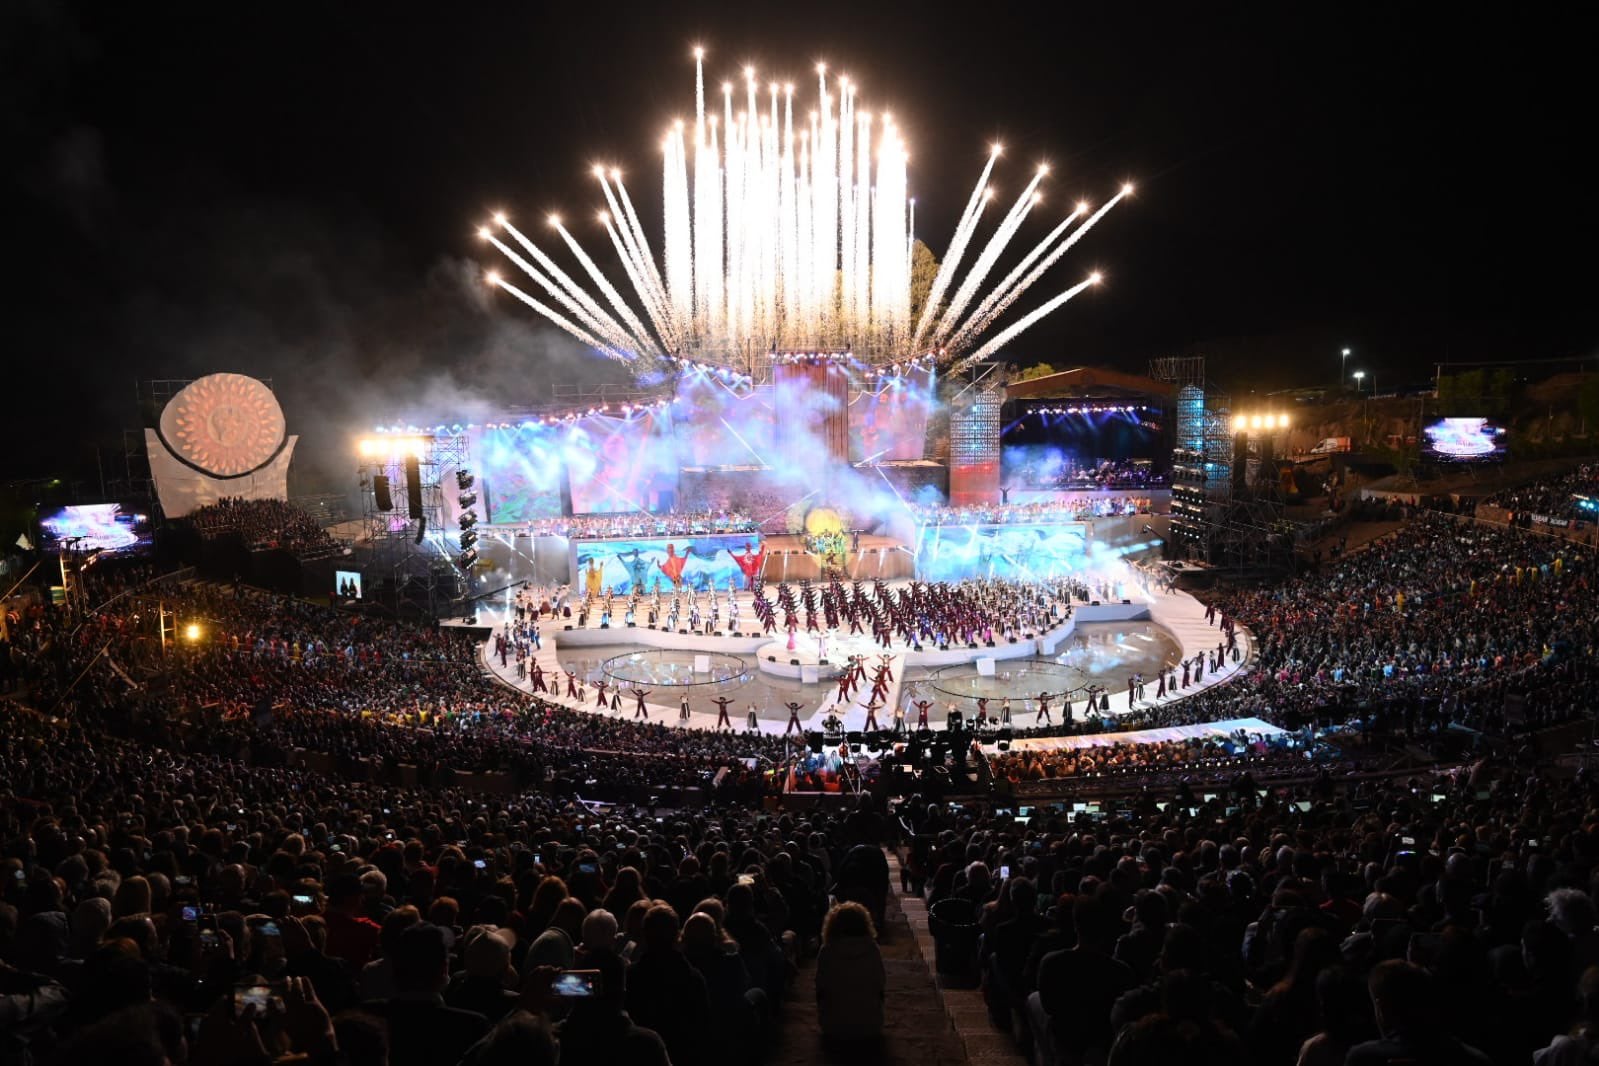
666, 667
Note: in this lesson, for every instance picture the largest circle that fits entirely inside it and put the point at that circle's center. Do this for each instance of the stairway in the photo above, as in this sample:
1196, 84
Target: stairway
965, 1012
925, 1025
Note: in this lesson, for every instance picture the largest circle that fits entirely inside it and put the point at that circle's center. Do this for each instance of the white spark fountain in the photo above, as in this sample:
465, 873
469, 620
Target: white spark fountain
783, 238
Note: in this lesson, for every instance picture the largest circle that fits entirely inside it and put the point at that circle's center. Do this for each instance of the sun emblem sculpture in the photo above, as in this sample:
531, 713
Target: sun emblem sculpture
224, 424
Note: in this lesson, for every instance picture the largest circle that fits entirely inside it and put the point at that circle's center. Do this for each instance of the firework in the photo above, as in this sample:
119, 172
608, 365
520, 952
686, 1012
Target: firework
788, 234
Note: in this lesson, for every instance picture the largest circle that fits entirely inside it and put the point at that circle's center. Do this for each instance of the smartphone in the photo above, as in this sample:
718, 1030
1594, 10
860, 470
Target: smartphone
20, 875
301, 899
1303, 805
1408, 842
746, 879
264, 997
388, 836
1024, 812
576, 984
209, 940
587, 868
182, 879
1004, 873
190, 914
268, 929
480, 864
538, 860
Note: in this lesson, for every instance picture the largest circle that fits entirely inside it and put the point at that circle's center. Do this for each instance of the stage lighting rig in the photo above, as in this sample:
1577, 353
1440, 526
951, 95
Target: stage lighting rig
464, 480
467, 559
468, 538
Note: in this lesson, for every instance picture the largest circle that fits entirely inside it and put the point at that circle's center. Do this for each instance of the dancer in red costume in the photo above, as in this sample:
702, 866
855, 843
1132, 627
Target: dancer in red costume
673, 564
750, 564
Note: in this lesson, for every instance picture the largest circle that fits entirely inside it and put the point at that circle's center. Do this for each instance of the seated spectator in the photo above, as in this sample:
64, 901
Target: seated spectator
850, 979
1403, 997
422, 1030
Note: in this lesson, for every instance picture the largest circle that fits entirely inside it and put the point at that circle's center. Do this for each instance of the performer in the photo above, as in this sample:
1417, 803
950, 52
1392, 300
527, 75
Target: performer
793, 719
616, 699
682, 709
899, 718
1043, 709
750, 565
753, 722
571, 685
921, 713
871, 716
640, 711
538, 677
1004, 712
599, 693
721, 712
672, 565
593, 577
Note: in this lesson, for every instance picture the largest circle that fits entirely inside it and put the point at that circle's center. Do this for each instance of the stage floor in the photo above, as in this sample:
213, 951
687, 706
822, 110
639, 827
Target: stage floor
1154, 628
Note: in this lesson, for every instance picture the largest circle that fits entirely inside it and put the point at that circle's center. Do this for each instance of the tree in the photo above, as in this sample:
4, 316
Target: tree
924, 268
1037, 370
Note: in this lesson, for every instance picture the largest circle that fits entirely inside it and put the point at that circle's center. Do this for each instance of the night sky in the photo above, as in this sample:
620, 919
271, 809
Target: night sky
290, 190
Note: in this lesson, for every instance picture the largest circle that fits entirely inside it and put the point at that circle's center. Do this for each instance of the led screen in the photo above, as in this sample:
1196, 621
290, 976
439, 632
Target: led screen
889, 421
1463, 440
622, 464
647, 564
951, 553
94, 526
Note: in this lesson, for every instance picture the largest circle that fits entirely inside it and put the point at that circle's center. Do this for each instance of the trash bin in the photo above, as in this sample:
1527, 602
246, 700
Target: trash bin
953, 923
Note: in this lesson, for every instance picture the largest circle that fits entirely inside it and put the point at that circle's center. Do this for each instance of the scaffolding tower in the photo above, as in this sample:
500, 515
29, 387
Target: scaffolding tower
411, 548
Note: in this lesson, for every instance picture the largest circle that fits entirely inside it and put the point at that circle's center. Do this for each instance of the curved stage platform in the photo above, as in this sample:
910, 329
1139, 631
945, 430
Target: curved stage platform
1178, 614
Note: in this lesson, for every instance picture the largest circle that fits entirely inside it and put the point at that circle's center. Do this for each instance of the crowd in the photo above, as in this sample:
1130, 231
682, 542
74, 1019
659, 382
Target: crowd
163, 905
1444, 919
262, 524
1096, 474
642, 524
1063, 509
258, 841
1562, 497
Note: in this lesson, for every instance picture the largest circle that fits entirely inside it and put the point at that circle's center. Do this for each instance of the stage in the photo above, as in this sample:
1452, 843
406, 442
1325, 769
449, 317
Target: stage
1175, 613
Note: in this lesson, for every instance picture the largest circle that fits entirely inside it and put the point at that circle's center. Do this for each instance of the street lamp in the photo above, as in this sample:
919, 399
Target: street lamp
1343, 368
1359, 374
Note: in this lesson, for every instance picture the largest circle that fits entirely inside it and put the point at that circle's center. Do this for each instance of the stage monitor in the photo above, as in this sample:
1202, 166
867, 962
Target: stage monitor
94, 527
1464, 440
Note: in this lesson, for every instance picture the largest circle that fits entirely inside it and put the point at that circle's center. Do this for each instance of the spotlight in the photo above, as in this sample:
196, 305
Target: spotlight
191, 632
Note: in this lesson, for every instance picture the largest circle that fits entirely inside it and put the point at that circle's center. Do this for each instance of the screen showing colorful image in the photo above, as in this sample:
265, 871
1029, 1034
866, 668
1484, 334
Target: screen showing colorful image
518, 471
93, 526
889, 420
622, 464
715, 425
951, 553
644, 565
1463, 440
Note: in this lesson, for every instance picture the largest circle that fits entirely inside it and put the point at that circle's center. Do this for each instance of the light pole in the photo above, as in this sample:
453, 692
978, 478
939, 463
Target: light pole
1343, 368
1359, 374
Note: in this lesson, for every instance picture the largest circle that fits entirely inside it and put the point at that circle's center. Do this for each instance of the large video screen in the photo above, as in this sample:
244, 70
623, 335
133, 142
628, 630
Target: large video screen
889, 421
622, 464
951, 553
1463, 440
647, 564
519, 473
94, 526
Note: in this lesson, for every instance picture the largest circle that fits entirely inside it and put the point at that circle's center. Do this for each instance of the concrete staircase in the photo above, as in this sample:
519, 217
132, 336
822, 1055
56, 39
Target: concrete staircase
917, 1030
925, 1024
965, 1012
